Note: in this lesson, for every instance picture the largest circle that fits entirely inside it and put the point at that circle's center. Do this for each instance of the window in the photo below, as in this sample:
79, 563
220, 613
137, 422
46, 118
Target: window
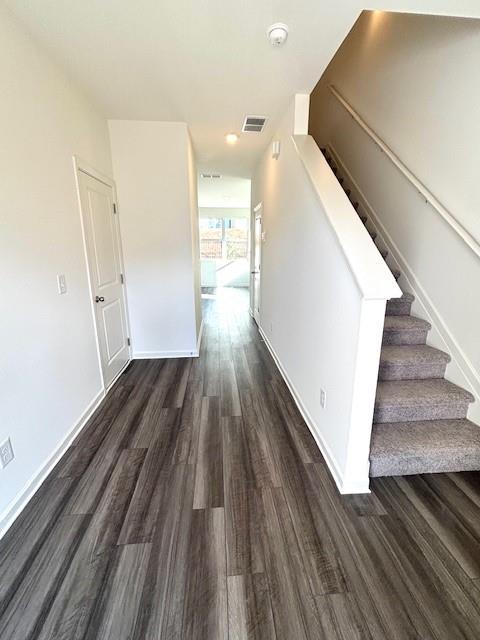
236, 237
224, 238
211, 234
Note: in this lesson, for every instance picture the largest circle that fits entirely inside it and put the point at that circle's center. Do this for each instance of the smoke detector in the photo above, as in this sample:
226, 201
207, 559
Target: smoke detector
277, 34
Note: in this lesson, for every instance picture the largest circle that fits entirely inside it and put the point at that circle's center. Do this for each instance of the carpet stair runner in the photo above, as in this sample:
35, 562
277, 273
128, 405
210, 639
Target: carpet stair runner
420, 419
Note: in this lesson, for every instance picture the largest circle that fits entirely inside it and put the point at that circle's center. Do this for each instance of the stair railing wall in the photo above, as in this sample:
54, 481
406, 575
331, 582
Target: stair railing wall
324, 288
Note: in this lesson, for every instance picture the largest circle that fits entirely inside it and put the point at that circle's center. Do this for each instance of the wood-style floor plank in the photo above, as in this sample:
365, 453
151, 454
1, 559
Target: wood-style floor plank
23, 541
76, 597
209, 463
294, 610
116, 611
244, 518
24, 615
250, 614
461, 542
341, 618
141, 517
205, 606
161, 611
195, 505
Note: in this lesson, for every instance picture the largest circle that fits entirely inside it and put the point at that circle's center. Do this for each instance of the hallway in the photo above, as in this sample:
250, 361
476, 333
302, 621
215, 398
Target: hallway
195, 505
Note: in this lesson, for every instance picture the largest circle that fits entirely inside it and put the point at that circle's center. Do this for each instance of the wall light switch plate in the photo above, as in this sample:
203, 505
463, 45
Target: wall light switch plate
6, 453
61, 283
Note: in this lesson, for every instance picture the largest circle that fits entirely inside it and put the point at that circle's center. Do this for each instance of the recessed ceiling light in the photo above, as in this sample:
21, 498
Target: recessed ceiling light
231, 138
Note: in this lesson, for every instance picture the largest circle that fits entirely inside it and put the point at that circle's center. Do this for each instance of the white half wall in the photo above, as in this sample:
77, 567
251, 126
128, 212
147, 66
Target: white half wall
409, 77
323, 292
154, 170
49, 370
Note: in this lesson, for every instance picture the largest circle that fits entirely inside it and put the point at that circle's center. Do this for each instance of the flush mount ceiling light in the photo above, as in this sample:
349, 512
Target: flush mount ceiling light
277, 34
231, 138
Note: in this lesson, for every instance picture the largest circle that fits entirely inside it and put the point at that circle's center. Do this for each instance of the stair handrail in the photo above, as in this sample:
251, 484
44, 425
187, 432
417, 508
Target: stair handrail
465, 235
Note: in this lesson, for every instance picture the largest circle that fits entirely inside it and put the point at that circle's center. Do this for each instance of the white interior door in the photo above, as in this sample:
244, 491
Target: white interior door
257, 258
102, 236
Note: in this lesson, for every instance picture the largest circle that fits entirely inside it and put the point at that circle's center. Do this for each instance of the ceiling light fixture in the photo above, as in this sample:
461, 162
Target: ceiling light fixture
231, 138
277, 34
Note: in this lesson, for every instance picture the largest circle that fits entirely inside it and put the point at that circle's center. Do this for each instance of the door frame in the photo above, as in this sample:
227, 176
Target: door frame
80, 165
257, 213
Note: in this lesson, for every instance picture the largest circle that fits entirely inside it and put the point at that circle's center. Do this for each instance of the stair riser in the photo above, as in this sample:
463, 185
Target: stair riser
380, 468
398, 308
400, 337
421, 371
450, 411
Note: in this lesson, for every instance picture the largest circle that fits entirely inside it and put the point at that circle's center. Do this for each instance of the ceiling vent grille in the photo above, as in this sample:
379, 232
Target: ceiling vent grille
254, 124
211, 176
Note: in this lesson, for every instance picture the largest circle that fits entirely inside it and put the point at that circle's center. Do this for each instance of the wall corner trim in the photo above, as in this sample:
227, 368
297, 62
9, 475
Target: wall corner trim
199, 339
301, 114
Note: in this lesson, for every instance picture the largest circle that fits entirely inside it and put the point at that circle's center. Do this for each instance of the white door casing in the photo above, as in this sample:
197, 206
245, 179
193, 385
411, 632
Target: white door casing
104, 256
257, 259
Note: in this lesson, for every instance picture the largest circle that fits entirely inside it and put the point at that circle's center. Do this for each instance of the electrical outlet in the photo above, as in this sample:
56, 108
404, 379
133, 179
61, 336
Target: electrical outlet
6, 453
61, 283
323, 398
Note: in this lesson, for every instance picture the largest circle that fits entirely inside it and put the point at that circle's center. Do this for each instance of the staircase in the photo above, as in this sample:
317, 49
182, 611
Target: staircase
419, 421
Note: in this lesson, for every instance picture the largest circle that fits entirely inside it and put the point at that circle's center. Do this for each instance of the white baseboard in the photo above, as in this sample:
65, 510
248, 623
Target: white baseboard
321, 444
470, 377
157, 355
12, 512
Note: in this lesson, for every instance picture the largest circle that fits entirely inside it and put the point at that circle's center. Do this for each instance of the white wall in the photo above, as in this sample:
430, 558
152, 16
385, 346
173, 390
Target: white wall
154, 172
413, 80
313, 311
49, 372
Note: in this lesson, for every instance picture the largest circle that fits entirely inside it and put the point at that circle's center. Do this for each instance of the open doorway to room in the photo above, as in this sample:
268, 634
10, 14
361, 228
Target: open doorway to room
224, 219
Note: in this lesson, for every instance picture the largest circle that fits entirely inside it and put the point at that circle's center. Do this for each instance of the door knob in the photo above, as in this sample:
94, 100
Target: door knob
99, 299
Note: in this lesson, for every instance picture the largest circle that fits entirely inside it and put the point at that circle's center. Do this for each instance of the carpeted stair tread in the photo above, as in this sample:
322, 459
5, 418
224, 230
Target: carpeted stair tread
400, 306
408, 297
412, 362
406, 323
405, 330
432, 399
431, 446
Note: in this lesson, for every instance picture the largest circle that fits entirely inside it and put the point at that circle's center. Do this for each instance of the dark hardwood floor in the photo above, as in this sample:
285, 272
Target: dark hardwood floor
195, 505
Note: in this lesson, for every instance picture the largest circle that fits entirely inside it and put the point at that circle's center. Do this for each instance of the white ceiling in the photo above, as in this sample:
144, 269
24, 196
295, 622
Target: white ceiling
225, 192
205, 62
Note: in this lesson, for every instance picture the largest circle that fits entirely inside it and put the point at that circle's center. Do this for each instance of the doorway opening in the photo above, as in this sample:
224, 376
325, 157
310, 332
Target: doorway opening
224, 226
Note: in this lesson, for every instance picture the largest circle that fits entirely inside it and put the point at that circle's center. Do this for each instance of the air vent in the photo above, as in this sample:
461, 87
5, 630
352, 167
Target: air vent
254, 124
211, 176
